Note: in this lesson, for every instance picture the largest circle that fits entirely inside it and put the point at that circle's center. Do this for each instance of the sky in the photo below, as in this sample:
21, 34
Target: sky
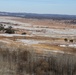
39, 6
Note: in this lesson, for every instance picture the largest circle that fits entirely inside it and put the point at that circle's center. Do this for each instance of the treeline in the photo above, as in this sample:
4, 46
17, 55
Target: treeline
40, 16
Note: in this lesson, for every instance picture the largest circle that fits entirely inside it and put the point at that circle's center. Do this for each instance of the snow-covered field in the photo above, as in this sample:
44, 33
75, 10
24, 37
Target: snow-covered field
38, 31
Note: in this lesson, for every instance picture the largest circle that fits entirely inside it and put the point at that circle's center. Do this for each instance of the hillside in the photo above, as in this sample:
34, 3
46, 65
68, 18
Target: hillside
37, 46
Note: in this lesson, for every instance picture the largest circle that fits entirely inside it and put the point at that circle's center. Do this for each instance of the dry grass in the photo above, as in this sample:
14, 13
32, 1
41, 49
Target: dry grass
43, 22
41, 47
22, 60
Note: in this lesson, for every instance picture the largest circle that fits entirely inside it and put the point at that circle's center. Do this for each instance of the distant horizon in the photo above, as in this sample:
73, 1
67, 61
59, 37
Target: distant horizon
37, 13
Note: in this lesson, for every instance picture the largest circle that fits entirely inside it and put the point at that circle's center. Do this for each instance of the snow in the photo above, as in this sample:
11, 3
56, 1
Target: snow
29, 41
58, 51
25, 41
55, 51
69, 45
72, 45
11, 35
43, 31
61, 31
62, 45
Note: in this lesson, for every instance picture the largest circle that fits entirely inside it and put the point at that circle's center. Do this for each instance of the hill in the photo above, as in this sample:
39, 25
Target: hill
39, 16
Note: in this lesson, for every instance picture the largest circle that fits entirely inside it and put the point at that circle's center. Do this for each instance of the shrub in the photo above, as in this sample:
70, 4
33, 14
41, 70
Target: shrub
24, 33
71, 40
65, 39
1, 27
10, 30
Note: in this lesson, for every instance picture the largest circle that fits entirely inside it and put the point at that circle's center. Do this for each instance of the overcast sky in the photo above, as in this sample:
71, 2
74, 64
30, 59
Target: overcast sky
39, 6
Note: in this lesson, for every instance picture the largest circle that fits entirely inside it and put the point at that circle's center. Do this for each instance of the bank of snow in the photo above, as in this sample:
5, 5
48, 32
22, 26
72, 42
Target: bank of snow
29, 42
69, 45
